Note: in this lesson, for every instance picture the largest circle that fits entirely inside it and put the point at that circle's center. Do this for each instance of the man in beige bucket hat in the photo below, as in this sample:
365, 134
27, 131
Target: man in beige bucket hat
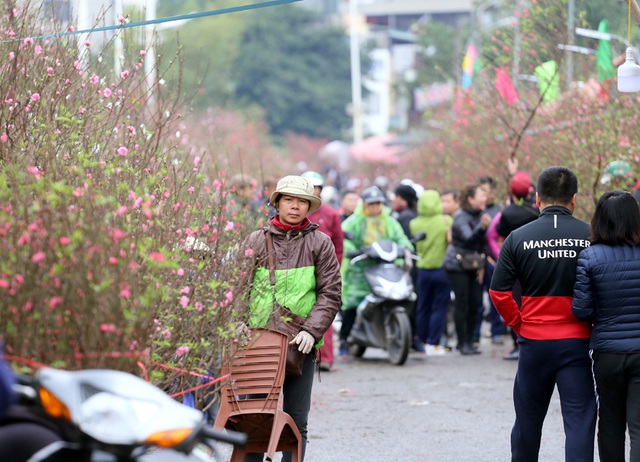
307, 286
295, 186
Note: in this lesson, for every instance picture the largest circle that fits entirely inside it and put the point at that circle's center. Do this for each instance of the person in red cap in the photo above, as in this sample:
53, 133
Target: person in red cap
519, 212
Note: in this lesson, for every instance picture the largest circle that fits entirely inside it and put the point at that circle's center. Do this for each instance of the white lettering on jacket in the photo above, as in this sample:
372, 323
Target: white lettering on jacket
553, 243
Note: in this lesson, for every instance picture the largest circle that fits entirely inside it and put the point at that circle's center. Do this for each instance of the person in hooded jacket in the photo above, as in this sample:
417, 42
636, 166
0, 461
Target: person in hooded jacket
368, 224
606, 294
433, 286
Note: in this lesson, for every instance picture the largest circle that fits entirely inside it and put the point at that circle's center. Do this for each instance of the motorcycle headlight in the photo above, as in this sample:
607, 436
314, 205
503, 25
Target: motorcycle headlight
115, 419
393, 290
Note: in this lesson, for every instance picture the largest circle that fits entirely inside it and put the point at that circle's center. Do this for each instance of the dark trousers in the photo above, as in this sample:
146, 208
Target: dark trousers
542, 365
497, 324
618, 389
468, 294
296, 403
348, 318
434, 295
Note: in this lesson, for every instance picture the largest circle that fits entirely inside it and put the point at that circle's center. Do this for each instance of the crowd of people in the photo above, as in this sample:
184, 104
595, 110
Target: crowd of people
512, 263
455, 223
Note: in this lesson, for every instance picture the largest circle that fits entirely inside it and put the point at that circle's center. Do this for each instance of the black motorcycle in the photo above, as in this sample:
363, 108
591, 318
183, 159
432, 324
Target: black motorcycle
107, 416
382, 319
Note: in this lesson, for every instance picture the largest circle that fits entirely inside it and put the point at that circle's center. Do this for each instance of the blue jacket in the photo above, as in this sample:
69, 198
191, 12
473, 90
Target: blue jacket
607, 294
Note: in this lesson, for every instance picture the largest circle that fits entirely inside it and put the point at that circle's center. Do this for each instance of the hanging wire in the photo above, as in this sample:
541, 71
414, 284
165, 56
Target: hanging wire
629, 23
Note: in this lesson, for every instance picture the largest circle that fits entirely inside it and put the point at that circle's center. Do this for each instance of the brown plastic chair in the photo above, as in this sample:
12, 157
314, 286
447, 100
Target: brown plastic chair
250, 398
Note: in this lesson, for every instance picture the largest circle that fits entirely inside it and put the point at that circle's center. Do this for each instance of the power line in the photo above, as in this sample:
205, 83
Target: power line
181, 17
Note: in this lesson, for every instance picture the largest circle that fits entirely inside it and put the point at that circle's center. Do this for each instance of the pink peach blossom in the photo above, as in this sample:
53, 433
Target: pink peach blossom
38, 257
157, 256
108, 327
182, 350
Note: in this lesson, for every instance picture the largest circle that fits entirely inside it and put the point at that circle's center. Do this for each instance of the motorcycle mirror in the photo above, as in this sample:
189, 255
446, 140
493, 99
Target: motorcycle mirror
353, 253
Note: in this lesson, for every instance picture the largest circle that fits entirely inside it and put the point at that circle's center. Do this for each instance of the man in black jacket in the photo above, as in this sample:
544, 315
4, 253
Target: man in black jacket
554, 345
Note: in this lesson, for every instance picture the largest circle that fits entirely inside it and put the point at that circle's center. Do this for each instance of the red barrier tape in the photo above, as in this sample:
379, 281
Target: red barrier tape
116, 354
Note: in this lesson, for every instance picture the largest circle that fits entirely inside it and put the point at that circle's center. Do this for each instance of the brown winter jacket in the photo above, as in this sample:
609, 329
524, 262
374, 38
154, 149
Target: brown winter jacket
307, 274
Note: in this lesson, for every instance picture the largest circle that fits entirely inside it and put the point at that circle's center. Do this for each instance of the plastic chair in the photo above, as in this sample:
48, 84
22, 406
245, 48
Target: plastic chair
250, 398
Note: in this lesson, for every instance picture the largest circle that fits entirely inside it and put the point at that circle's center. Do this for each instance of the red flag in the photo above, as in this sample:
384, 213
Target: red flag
505, 87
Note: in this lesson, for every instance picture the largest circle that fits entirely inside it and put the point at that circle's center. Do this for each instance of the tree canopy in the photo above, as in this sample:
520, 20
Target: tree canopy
297, 70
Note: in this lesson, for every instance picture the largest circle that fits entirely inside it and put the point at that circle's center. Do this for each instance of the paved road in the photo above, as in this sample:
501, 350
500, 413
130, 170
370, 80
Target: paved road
432, 409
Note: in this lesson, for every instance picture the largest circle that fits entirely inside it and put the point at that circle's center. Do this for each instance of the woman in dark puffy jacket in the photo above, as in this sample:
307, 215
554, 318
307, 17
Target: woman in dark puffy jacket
467, 236
607, 293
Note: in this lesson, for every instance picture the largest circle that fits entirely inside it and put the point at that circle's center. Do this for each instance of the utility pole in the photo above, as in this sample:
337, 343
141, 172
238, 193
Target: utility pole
356, 83
571, 27
150, 58
118, 47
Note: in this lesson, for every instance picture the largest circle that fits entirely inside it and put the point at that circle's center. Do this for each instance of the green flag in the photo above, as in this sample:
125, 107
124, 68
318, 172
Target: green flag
604, 58
548, 80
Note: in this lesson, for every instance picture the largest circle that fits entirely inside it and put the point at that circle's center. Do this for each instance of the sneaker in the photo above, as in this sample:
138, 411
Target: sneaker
418, 346
435, 350
513, 356
325, 367
344, 350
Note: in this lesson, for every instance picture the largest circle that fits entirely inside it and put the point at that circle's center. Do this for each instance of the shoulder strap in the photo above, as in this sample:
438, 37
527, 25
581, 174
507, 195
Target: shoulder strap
272, 265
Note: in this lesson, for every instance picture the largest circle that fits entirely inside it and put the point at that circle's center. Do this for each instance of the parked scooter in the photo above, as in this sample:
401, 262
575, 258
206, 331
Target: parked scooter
108, 416
382, 319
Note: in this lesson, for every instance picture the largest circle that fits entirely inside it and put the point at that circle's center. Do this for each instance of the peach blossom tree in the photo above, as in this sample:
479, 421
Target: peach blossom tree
114, 246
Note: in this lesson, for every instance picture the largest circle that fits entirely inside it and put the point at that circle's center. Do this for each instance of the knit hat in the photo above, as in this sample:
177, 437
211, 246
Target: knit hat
407, 192
296, 186
520, 184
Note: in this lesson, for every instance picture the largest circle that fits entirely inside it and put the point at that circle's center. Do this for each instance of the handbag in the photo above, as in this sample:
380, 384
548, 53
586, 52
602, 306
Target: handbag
284, 320
471, 261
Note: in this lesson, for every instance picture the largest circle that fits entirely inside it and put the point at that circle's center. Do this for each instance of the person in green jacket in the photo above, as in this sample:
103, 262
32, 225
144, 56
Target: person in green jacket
368, 224
433, 289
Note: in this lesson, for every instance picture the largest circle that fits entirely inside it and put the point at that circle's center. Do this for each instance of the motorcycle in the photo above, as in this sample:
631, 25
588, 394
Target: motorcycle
382, 319
108, 416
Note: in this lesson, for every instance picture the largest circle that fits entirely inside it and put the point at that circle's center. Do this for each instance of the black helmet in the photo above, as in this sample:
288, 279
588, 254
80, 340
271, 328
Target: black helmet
372, 194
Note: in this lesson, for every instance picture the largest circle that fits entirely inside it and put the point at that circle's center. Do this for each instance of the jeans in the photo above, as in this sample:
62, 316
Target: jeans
297, 402
434, 296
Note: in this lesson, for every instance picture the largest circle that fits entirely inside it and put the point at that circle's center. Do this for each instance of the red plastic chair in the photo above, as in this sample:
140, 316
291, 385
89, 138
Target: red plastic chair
250, 398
